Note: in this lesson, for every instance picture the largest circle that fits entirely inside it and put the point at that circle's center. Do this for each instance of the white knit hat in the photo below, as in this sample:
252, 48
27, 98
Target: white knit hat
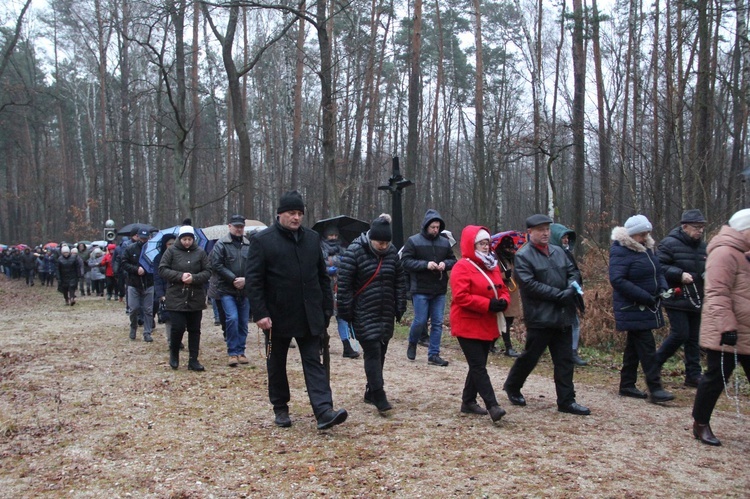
481, 236
741, 220
186, 230
638, 224
65, 249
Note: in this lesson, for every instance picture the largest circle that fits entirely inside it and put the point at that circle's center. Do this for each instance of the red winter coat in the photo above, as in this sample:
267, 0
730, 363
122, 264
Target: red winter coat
107, 262
470, 307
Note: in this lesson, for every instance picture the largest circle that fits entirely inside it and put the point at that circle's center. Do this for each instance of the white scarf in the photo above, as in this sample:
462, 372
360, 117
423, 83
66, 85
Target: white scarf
488, 259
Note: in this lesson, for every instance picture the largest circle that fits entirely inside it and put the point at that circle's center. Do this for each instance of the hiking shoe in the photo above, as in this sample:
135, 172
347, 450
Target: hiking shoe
435, 360
661, 395
473, 408
496, 412
331, 418
411, 351
233, 361
282, 419
242, 359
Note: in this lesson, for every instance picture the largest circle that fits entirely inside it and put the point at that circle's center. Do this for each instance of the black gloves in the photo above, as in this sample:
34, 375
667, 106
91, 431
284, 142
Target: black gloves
728, 338
399, 315
567, 296
498, 305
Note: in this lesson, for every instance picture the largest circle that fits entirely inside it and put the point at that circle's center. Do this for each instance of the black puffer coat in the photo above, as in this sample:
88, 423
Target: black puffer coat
69, 269
371, 309
228, 262
177, 260
680, 253
421, 249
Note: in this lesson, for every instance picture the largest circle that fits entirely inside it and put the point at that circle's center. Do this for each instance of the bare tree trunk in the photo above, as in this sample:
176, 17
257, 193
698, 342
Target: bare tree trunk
658, 166
103, 164
127, 183
415, 104
702, 129
741, 98
483, 208
605, 193
298, 102
328, 108
579, 146
195, 112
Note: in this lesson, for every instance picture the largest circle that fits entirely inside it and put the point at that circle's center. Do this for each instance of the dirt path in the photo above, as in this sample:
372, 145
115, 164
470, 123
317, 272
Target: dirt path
84, 411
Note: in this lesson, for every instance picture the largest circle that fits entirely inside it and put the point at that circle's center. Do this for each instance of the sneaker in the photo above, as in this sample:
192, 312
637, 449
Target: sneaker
242, 359
233, 361
510, 352
331, 418
435, 360
411, 351
147, 338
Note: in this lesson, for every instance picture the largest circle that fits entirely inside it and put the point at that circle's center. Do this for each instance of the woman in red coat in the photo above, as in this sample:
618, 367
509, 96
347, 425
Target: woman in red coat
479, 298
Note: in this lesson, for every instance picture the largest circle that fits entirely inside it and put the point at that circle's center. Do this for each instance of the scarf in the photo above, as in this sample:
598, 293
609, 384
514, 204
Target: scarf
488, 259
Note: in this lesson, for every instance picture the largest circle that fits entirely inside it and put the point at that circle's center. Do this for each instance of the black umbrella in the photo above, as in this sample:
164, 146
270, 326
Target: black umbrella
349, 228
125, 231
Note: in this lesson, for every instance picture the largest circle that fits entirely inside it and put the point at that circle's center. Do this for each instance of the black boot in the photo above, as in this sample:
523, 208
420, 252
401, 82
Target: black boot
381, 402
194, 365
349, 352
368, 396
577, 360
509, 351
174, 357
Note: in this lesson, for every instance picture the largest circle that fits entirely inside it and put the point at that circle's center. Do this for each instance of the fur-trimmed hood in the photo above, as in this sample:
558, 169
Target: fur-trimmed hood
620, 235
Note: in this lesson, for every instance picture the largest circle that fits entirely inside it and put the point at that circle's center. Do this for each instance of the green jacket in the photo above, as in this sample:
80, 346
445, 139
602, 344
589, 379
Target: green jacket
174, 263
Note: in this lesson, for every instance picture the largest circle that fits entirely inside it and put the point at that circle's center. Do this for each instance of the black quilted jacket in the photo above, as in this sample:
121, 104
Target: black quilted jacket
371, 308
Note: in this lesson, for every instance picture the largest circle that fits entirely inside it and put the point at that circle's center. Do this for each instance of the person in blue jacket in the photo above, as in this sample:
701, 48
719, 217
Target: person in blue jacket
637, 283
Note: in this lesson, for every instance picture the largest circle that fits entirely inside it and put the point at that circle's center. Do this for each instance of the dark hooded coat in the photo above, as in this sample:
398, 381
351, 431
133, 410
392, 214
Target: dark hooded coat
422, 248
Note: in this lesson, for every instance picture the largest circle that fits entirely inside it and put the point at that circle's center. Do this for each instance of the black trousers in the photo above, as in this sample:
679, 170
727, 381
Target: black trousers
684, 329
712, 384
640, 347
316, 381
374, 360
477, 379
560, 343
190, 321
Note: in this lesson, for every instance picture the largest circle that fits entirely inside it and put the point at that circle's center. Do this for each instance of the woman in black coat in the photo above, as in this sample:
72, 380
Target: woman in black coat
68, 271
372, 292
185, 268
637, 282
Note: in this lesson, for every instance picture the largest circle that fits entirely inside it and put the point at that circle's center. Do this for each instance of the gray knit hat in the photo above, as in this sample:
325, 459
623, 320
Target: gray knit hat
638, 224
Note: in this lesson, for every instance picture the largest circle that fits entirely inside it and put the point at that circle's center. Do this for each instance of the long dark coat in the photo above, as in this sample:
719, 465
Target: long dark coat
177, 260
69, 270
286, 280
680, 253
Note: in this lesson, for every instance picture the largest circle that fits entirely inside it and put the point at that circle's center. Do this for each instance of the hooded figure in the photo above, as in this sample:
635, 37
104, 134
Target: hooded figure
479, 298
566, 238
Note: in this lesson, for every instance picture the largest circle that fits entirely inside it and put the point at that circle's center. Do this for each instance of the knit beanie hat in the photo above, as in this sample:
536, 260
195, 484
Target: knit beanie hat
380, 228
186, 230
65, 249
481, 236
291, 201
74, 251
638, 224
741, 220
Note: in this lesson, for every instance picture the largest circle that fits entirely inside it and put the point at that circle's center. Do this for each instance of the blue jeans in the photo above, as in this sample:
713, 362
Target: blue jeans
343, 328
426, 307
237, 310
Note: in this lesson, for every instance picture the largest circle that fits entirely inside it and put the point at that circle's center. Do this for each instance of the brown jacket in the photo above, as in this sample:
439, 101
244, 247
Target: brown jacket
726, 305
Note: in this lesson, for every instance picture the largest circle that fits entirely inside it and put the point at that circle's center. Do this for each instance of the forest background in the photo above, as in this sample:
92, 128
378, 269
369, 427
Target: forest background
151, 111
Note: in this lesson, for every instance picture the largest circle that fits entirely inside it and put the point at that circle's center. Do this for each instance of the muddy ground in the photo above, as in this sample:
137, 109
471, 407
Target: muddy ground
86, 412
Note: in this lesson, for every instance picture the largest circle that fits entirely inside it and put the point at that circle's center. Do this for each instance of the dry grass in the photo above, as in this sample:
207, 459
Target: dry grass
85, 412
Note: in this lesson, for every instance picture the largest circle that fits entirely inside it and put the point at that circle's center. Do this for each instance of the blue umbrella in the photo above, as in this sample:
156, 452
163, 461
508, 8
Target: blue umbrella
152, 247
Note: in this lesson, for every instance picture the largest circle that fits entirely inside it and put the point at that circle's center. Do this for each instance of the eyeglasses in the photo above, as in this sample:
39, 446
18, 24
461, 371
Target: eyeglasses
697, 227
483, 243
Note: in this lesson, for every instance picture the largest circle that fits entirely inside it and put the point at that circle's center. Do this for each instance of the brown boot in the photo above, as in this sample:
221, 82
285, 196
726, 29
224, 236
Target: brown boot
703, 433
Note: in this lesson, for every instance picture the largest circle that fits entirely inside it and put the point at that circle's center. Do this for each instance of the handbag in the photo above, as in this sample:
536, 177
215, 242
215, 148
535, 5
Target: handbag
162, 313
500, 316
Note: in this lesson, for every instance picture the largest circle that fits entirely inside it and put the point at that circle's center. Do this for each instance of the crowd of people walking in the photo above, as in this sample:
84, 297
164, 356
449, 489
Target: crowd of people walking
291, 281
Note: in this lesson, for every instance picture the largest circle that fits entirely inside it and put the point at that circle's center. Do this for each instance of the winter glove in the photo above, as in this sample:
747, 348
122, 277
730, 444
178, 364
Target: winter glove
498, 305
399, 315
566, 297
508, 274
332, 270
728, 338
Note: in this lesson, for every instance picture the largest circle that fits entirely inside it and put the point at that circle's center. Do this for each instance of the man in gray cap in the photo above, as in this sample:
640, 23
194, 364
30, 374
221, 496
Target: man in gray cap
682, 255
228, 262
290, 297
545, 277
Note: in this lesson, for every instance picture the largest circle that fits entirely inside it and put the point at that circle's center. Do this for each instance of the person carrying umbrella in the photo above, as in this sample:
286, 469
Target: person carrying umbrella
140, 288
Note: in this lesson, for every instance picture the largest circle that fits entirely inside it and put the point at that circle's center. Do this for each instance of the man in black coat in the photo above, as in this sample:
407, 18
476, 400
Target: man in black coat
545, 275
682, 255
290, 297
